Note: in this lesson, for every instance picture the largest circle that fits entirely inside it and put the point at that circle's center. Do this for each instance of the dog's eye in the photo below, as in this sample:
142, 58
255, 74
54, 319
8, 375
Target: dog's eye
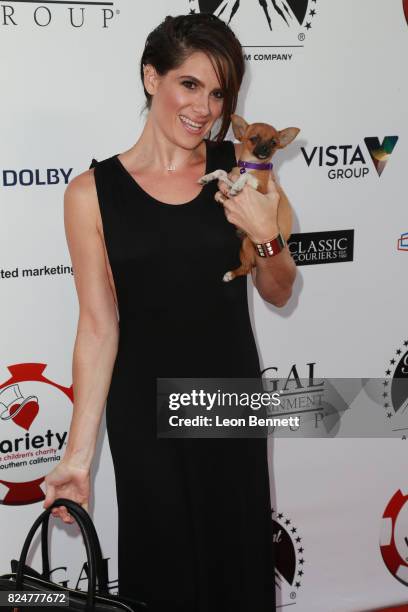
254, 139
273, 142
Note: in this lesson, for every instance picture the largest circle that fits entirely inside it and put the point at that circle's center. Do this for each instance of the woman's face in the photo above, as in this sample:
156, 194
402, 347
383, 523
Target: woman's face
190, 93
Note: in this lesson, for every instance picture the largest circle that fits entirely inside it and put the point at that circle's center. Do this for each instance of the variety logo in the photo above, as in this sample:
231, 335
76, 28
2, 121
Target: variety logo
394, 537
403, 242
289, 558
348, 161
281, 23
46, 12
34, 419
322, 247
27, 177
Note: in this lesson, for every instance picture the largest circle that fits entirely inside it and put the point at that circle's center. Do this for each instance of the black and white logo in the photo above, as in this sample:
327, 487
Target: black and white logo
34, 177
49, 13
289, 558
322, 247
395, 390
282, 24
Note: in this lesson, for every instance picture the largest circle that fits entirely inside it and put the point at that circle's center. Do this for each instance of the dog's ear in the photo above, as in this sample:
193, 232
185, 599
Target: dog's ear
287, 135
239, 126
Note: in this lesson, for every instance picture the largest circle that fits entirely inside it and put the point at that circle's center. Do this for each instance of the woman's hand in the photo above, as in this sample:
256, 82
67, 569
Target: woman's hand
70, 482
253, 212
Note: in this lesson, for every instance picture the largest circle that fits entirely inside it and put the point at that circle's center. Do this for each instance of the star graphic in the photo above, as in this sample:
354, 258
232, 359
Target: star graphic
398, 351
388, 372
301, 561
385, 383
280, 515
293, 530
308, 25
297, 584
406, 343
298, 539
385, 394
392, 361
301, 549
192, 11
386, 405
273, 510
287, 522
312, 12
389, 414
300, 573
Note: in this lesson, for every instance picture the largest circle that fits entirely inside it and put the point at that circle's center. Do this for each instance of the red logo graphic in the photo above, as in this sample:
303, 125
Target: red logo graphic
394, 537
34, 418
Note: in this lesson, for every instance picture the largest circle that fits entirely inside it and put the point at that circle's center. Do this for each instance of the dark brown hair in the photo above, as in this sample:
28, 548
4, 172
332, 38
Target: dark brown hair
176, 38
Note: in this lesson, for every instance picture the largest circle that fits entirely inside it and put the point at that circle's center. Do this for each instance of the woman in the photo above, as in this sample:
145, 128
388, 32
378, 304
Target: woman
194, 514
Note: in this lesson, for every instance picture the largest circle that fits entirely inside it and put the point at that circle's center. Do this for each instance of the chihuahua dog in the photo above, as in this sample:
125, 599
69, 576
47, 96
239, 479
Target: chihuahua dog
259, 142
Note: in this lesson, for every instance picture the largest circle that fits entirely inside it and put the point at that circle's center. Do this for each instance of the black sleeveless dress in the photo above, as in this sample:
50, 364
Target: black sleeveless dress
195, 531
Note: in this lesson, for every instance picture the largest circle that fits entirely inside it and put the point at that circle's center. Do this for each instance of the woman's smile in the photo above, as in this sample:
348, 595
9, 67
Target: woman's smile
191, 126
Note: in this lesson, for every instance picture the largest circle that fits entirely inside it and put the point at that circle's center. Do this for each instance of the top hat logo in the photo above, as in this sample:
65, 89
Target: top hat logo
22, 410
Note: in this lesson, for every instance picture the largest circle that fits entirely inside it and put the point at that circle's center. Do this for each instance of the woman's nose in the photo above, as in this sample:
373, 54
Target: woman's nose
202, 106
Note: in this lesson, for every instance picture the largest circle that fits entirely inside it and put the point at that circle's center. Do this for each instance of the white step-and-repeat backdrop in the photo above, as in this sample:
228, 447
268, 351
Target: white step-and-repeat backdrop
70, 91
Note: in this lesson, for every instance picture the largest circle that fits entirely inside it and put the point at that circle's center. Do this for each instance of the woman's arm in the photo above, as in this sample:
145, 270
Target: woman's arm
98, 330
96, 340
273, 276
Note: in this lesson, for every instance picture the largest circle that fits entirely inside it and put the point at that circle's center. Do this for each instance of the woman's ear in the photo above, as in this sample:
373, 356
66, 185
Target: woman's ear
150, 78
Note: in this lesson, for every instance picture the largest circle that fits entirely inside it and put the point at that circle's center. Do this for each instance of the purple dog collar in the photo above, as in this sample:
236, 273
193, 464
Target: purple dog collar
253, 166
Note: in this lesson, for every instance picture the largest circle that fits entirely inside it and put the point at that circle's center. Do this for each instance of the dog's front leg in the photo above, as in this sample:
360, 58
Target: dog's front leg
239, 184
221, 175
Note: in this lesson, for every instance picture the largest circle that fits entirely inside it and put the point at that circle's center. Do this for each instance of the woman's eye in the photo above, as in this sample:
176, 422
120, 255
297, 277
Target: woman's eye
218, 94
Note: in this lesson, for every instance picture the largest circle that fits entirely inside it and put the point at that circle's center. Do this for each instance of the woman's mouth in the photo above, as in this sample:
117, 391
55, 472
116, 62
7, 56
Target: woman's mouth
191, 126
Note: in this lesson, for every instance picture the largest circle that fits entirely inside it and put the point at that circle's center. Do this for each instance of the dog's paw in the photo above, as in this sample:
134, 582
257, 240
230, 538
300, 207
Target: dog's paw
226, 180
228, 276
217, 197
233, 192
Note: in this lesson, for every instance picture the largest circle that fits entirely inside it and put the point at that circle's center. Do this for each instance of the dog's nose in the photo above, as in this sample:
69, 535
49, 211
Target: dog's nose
263, 151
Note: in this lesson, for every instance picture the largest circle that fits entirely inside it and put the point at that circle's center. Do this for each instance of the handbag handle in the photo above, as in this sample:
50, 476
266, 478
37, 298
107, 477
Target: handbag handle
83, 520
101, 570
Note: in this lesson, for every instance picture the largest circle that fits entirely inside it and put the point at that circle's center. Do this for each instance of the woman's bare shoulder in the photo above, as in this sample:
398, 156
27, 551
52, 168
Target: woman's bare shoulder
81, 207
82, 186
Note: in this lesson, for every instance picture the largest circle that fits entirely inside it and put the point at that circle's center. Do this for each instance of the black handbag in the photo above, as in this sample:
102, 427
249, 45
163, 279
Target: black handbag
96, 599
